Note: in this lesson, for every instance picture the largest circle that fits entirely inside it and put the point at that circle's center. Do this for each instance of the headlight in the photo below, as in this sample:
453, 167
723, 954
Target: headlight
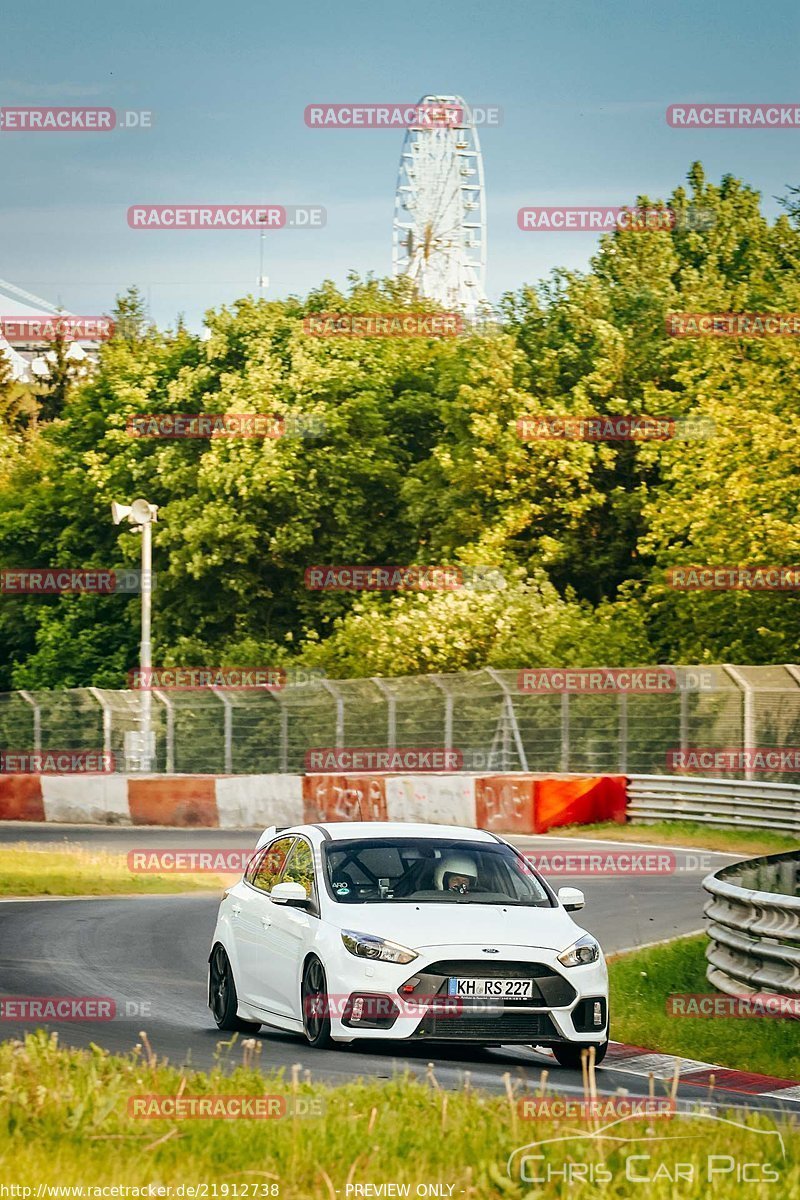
366, 945
585, 950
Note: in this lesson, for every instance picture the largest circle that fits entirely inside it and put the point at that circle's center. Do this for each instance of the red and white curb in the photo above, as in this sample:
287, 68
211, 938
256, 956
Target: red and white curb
637, 1060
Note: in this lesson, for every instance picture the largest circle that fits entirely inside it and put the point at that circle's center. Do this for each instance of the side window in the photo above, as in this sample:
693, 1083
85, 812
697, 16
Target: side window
252, 865
300, 868
264, 872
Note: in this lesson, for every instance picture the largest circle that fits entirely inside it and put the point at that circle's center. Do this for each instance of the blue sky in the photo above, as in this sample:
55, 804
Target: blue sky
583, 85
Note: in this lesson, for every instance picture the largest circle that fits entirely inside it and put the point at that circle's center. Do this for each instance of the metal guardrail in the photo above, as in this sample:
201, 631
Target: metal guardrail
754, 915
735, 802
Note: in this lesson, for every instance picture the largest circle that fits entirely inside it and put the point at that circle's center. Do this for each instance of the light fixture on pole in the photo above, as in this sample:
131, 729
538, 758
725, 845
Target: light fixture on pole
263, 280
141, 515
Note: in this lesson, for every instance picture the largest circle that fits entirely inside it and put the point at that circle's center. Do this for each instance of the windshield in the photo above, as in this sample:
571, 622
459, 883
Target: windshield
430, 871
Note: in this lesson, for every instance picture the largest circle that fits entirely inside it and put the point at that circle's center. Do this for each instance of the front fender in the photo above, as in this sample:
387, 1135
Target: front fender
223, 936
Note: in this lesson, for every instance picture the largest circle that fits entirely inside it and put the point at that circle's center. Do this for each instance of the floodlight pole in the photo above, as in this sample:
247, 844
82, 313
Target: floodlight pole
141, 514
145, 649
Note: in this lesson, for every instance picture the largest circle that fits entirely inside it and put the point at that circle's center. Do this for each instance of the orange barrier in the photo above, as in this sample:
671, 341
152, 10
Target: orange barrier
536, 803
182, 800
344, 798
21, 798
580, 800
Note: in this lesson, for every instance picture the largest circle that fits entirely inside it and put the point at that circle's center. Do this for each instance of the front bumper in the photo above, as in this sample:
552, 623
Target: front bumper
377, 1000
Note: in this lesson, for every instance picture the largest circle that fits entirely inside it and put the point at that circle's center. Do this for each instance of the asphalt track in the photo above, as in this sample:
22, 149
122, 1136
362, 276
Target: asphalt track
149, 954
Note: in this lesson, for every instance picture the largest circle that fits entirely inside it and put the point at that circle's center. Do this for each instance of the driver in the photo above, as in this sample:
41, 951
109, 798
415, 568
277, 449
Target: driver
456, 873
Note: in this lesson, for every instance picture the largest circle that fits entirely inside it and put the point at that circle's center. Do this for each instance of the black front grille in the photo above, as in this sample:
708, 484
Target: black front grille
483, 969
509, 1027
550, 989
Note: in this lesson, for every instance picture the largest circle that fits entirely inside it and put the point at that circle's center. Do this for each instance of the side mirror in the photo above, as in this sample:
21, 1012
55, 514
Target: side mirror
571, 898
289, 893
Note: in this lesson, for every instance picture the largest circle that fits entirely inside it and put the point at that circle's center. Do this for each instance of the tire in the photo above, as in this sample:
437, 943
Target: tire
222, 997
314, 1005
568, 1054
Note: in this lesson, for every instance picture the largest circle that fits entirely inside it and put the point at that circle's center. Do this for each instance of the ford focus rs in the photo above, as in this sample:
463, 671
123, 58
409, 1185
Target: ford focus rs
402, 931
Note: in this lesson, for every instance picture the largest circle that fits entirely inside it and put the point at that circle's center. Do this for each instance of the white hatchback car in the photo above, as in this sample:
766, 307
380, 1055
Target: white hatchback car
402, 931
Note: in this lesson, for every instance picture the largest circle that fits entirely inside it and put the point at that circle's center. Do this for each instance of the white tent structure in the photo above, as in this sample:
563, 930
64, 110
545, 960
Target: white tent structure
20, 367
29, 360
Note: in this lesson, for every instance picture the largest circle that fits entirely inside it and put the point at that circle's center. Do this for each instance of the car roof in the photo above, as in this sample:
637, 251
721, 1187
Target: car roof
369, 830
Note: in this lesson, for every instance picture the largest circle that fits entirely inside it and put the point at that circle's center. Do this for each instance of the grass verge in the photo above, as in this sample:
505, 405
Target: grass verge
747, 842
641, 983
62, 870
64, 1120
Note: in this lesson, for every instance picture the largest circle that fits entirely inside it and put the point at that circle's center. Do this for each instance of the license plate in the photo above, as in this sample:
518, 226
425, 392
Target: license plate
521, 989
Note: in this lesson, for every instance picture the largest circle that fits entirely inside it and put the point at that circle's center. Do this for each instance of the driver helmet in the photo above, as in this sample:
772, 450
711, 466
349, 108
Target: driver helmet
454, 864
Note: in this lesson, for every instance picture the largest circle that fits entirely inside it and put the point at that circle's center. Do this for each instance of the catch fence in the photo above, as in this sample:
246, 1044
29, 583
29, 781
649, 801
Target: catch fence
494, 720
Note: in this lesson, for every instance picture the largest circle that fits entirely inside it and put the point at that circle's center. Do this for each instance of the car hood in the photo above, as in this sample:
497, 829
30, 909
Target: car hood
423, 925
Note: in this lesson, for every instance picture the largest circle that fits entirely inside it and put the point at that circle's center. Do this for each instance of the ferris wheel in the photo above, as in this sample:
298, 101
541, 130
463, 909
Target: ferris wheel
439, 233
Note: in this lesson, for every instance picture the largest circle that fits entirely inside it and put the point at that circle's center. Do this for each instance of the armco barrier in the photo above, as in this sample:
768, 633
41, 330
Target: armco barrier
746, 803
512, 804
754, 928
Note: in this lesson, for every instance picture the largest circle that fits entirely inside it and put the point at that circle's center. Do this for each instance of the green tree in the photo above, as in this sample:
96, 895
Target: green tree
129, 315
54, 387
417, 458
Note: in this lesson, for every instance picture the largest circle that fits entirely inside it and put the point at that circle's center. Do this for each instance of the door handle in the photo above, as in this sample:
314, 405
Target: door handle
266, 922
236, 909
